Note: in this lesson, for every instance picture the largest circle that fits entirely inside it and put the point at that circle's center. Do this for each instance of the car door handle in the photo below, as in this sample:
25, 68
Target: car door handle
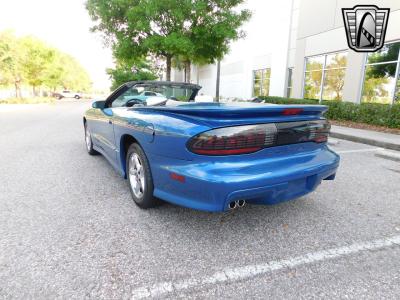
109, 122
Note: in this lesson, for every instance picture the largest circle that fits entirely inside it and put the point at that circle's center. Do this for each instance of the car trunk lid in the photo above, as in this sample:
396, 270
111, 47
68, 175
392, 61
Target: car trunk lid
222, 115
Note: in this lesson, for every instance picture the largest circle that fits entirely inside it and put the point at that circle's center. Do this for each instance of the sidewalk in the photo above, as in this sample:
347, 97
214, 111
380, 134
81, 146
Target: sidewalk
379, 139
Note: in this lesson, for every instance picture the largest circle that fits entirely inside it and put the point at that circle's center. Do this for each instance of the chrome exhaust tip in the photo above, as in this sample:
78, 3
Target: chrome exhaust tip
232, 205
241, 203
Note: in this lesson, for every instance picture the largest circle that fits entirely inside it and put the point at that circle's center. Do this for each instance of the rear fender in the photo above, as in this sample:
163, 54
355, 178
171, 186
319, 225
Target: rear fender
125, 141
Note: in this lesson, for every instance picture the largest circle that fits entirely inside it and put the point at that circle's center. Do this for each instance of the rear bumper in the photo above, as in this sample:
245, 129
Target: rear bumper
269, 177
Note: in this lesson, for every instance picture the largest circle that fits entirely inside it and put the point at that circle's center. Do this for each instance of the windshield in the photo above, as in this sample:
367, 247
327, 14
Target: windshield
172, 92
152, 94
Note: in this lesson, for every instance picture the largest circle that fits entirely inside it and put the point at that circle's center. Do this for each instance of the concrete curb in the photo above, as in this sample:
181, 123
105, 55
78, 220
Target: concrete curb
365, 140
395, 156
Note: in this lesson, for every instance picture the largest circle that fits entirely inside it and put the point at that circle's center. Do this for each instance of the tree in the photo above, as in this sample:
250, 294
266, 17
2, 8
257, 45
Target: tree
74, 75
35, 61
214, 25
388, 53
63, 71
378, 76
123, 72
29, 61
374, 90
55, 72
313, 77
182, 63
334, 78
197, 30
11, 53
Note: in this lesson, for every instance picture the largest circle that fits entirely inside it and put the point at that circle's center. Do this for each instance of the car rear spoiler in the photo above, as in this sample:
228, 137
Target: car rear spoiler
234, 111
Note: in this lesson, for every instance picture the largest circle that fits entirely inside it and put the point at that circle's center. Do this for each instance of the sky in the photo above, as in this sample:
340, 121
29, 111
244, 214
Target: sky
64, 24
266, 30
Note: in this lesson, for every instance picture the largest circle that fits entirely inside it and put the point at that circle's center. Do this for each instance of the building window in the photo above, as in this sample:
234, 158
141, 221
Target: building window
324, 76
397, 93
289, 83
381, 81
261, 82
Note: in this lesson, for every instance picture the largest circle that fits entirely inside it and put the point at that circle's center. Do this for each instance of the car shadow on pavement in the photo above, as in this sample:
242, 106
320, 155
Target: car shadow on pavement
249, 215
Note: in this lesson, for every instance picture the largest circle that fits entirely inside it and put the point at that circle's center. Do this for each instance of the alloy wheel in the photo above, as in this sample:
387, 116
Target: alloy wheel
88, 139
136, 175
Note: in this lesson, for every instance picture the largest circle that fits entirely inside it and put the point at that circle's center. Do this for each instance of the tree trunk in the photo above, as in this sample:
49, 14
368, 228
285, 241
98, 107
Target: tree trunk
188, 71
17, 90
218, 80
169, 58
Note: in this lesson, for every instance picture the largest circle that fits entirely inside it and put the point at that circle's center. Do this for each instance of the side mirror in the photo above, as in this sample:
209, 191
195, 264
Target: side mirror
99, 104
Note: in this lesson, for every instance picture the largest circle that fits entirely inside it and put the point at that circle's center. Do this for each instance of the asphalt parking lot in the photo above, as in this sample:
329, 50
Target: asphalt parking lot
69, 229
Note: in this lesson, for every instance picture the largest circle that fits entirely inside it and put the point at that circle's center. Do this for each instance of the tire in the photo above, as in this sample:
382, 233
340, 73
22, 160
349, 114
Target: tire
139, 177
77, 97
89, 142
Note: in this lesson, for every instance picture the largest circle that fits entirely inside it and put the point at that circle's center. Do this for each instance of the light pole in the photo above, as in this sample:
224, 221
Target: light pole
218, 80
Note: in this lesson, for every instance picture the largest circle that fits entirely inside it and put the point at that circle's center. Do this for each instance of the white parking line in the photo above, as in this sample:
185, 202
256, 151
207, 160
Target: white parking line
358, 150
246, 272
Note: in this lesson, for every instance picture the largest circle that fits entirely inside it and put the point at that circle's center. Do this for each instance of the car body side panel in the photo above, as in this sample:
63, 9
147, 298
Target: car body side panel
100, 125
156, 133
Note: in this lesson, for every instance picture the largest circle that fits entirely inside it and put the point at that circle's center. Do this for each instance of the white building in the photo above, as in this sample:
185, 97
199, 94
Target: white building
298, 48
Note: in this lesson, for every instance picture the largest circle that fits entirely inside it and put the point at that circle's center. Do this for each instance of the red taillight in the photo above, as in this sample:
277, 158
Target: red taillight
292, 111
319, 131
251, 138
233, 140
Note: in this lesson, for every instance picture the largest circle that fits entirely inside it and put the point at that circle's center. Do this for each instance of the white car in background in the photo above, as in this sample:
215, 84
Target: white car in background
67, 94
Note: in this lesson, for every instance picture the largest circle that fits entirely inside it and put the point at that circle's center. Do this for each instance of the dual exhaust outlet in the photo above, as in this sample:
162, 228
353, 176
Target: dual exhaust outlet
236, 204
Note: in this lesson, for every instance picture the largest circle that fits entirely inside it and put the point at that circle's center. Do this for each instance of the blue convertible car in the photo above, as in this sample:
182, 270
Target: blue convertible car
209, 156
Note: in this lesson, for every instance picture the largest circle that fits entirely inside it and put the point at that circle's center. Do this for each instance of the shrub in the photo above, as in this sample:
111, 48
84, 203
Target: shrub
281, 100
369, 113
